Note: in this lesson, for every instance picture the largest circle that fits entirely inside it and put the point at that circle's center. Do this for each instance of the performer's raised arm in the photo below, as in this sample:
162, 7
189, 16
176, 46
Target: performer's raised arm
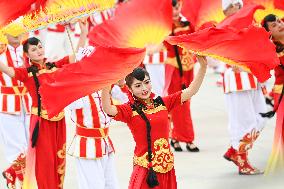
106, 102
7, 70
82, 39
196, 83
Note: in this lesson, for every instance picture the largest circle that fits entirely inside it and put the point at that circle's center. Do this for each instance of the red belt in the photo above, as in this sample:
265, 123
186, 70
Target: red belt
92, 132
13, 90
59, 30
56, 30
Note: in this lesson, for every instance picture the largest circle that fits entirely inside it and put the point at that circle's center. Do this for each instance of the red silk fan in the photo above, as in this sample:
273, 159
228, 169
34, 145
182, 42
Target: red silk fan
11, 11
202, 12
271, 7
234, 47
135, 24
242, 19
120, 48
105, 66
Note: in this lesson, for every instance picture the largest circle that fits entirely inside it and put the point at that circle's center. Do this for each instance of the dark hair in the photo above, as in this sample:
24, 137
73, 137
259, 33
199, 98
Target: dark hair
138, 73
272, 18
268, 18
30, 41
174, 3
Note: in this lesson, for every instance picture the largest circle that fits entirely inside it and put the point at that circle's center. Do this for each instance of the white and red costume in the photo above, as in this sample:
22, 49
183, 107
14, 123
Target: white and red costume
245, 100
15, 106
91, 145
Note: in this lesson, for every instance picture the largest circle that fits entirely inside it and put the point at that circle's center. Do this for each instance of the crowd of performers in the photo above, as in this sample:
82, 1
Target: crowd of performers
35, 144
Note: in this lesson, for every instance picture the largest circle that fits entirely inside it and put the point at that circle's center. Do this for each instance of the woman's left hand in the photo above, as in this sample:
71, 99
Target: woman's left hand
83, 27
202, 60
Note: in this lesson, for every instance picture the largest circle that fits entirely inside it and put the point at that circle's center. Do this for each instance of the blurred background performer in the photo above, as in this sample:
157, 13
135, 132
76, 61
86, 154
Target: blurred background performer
91, 145
15, 105
245, 100
179, 74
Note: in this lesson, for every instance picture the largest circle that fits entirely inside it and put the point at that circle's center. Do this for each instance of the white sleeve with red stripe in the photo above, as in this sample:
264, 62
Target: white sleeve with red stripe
238, 81
156, 58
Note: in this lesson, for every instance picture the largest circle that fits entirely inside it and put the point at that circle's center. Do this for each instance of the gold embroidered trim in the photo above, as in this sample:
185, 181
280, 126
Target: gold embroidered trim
42, 71
151, 111
44, 115
180, 29
162, 160
15, 89
248, 140
61, 168
277, 89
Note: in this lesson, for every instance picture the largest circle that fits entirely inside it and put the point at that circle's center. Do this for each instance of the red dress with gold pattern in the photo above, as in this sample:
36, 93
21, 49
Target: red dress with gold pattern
181, 117
162, 158
51, 143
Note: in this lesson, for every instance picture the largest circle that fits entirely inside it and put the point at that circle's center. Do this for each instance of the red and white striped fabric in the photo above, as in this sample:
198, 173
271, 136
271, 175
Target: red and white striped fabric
91, 140
238, 81
156, 58
99, 17
13, 94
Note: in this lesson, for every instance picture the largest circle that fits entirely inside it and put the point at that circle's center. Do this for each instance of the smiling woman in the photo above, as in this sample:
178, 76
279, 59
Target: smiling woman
46, 153
147, 118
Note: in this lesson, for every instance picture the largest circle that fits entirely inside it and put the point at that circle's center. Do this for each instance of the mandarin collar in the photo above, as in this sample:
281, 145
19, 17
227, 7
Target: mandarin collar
18, 49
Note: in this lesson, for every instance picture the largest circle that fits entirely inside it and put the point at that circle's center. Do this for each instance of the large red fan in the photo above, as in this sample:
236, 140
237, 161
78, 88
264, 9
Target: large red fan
136, 23
200, 12
242, 19
271, 7
105, 66
234, 47
120, 48
279, 4
11, 11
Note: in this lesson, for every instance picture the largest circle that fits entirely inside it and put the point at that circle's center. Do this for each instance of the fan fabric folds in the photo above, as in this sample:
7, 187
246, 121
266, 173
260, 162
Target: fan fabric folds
271, 7
120, 47
234, 47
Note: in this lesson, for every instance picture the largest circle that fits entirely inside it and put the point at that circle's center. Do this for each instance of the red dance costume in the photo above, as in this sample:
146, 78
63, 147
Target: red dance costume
181, 116
51, 143
14, 115
275, 162
162, 157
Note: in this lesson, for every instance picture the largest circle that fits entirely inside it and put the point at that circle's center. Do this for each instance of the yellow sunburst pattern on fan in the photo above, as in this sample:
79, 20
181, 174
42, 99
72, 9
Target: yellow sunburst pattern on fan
3, 38
135, 24
64, 10
15, 28
147, 34
269, 9
214, 12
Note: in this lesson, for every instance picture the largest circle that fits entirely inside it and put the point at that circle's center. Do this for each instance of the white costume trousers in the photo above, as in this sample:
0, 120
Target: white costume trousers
243, 111
14, 134
97, 174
